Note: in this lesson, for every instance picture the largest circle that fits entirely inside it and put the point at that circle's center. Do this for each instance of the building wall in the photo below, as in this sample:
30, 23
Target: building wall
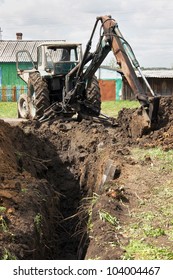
161, 86
9, 75
11, 86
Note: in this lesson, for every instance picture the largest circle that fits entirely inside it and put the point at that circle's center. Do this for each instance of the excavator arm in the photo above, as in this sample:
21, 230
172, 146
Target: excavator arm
122, 51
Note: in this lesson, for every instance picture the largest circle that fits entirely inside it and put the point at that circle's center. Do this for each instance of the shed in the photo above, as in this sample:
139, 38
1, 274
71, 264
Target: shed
110, 82
11, 86
160, 80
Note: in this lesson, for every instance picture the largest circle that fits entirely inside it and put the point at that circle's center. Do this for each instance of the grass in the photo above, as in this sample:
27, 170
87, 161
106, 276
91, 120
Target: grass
8, 110
151, 229
110, 108
139, 250
165, 158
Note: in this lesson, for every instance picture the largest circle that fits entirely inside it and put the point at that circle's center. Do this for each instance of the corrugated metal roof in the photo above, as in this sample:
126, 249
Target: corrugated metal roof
157, 73
8, 49
154, 73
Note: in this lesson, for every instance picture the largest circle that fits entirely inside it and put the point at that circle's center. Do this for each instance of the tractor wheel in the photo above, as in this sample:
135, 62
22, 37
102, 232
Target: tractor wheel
38, 95
22, 107
94, 96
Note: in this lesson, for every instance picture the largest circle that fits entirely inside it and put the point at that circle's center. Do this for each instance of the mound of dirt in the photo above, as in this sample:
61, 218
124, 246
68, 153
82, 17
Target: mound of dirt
51, 173
163, 135
159, 136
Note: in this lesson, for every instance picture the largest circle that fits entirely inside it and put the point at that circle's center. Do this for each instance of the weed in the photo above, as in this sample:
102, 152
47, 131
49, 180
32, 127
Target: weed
38, 222
24, 190
2, 209
107, 217
3, 224
92, 202
7, 255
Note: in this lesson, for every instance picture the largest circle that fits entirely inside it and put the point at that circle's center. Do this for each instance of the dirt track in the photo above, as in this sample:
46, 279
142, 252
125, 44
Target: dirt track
50, 174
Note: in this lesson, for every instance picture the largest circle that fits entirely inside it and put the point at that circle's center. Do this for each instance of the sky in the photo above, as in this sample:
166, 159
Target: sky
146, 24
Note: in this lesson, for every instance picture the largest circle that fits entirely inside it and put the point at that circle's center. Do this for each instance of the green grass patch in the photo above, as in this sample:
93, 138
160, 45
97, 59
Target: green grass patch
111, 108
153, 232
155, 153
162, 160
8, 110
151, 229
139, 250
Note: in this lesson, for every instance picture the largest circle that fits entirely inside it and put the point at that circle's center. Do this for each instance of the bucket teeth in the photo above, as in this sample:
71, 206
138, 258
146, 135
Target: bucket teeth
154, 103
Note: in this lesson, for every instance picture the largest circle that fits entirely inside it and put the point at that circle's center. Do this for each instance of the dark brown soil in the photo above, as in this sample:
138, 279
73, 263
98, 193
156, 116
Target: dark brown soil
51, 172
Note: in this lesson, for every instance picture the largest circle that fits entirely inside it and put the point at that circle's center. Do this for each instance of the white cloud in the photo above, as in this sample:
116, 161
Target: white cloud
147, 25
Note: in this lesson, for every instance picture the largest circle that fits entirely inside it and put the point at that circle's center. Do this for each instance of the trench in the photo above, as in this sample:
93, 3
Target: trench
71, 232
70, 238
54, 170
65, 231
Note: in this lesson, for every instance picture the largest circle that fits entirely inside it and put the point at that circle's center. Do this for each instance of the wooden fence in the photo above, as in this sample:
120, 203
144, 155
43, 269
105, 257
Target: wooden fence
11, 93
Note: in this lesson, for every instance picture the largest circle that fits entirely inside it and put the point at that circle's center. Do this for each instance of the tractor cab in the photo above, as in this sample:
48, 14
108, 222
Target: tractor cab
58, 59
52, 59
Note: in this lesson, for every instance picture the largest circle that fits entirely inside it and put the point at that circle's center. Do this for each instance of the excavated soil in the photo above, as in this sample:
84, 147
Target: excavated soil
51, 173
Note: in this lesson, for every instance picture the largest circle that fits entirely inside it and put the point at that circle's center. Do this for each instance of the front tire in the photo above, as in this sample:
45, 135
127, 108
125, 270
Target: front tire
22, 107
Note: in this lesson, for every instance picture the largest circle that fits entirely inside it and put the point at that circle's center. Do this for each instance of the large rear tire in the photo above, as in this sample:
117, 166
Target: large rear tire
38, 95
94, 97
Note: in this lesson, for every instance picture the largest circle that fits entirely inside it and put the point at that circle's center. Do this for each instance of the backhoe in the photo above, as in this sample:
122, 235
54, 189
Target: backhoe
63, 82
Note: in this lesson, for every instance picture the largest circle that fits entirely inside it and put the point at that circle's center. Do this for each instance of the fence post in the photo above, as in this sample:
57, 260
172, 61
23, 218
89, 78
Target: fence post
4, 93
14, 98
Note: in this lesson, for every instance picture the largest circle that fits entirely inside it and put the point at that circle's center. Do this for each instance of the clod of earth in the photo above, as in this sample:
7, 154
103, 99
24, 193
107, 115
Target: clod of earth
62, 191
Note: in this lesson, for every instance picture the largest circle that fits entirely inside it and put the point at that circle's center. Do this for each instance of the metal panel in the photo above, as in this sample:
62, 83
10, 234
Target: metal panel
107, 89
